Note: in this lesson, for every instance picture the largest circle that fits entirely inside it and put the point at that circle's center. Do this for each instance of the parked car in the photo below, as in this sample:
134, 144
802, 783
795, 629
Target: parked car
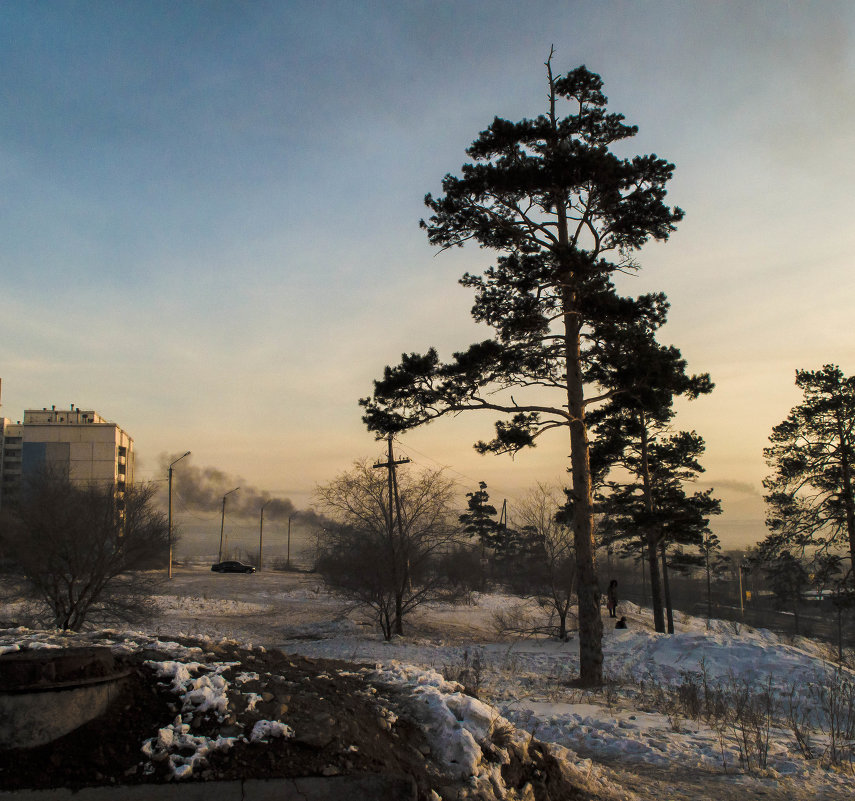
232, 567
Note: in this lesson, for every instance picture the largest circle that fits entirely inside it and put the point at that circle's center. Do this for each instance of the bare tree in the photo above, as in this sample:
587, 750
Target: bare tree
83, 550
551, 561
382, 548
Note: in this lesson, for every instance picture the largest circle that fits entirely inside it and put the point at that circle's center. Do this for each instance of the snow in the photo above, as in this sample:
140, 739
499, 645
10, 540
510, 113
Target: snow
523, 687
174, 741
263, 730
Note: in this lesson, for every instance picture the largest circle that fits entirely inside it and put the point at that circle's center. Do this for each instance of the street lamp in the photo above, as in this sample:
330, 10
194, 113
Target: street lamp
261, 532
223, 521
169, 473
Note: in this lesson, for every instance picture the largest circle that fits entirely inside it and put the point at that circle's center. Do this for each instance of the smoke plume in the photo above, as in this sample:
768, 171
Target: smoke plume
201, 489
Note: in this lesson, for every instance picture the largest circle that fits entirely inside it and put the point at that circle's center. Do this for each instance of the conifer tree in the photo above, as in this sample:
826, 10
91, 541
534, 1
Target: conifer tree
715, 562
562, 212
810, 497
789, 580
633, 435
479, 519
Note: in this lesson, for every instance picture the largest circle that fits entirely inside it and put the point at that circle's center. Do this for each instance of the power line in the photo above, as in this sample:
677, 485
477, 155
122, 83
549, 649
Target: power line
474, 482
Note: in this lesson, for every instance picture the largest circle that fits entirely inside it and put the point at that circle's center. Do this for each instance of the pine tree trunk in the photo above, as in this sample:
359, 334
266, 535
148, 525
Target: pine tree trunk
652, 534
667, 587
643, 571
709, 587
848, 501
590, 621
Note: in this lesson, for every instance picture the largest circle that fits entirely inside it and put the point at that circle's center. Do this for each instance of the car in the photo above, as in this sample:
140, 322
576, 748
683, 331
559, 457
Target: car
232, 567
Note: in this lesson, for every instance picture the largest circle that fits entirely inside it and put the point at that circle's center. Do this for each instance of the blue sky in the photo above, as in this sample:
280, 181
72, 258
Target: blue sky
209, 213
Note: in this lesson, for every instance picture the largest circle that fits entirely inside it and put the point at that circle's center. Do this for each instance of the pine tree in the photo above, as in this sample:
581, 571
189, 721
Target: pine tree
715, 564
563, 212
652, 499
633, 440
479, 521
811, 494
788, 579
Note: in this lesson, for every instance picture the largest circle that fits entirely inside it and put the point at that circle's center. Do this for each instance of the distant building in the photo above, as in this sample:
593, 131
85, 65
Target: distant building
11, 446
80, 443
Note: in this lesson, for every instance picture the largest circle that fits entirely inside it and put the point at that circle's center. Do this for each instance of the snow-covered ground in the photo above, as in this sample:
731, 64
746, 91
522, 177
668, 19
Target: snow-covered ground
631, 732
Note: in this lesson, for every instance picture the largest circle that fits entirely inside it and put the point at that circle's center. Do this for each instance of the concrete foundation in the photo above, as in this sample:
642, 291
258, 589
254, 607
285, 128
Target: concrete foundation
47, 693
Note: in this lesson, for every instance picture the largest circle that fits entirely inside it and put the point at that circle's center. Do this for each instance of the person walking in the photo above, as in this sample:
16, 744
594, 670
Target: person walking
611, 598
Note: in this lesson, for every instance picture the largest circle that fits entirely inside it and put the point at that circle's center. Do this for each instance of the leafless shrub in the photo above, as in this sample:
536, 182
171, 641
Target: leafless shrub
834, 696
516, 621
610, 694
501, 733
85, 552
469, 672
799, 722
754, 712
689, 694
821, 716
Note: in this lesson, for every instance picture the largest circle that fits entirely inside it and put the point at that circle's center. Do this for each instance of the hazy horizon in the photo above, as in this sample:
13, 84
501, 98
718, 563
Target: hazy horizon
210, 217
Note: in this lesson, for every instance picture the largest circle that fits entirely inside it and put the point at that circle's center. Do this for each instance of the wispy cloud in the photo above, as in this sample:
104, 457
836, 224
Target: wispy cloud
742, 487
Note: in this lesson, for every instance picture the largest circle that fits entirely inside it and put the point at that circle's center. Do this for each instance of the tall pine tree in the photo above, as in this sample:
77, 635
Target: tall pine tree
563, 212
634, 440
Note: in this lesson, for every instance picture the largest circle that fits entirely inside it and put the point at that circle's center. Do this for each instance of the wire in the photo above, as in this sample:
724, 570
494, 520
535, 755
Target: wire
475, 482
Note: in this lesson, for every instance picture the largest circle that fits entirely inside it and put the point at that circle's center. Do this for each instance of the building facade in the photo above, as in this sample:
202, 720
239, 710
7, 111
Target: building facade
78, 443
11, 459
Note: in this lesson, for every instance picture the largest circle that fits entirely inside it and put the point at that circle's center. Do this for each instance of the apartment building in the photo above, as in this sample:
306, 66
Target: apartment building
11, 447
79, 442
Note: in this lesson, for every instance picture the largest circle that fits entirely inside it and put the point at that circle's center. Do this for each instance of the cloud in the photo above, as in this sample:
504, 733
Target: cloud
742, 487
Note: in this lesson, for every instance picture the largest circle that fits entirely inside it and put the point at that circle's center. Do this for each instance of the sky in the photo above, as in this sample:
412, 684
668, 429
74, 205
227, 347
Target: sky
209, 216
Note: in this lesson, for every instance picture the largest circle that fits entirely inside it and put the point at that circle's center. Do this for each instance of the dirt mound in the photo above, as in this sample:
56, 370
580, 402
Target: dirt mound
280, 716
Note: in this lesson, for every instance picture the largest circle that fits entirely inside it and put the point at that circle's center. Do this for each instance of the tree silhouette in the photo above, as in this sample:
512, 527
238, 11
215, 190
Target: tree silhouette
633, 440
85, 551
479, 519
563, 212
382, 554
811, 497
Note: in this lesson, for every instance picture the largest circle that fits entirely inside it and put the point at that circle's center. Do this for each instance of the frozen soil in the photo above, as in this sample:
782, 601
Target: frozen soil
339, 727
339, 722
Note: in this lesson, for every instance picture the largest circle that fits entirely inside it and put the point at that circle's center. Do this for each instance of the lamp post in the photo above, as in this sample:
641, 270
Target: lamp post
261, 532
223, 522
169, 474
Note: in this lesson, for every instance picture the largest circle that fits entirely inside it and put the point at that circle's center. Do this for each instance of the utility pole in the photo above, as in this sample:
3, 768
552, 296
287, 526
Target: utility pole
401, 581
223, 522
393, 482
261, 533
288, 553
741, 595
169, 474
